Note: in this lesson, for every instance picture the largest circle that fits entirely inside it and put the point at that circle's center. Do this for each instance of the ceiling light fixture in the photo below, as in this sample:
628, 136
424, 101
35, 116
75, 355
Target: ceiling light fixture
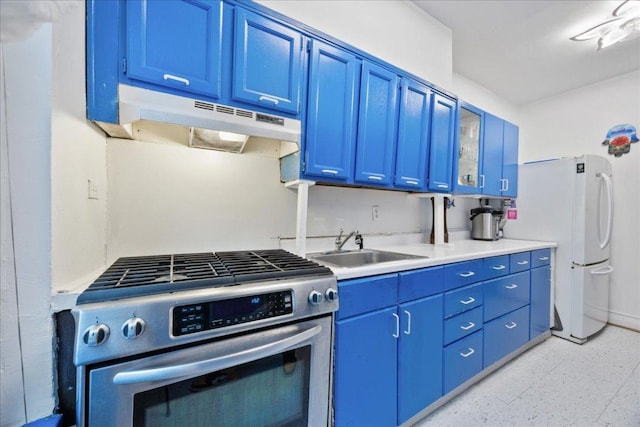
622, 25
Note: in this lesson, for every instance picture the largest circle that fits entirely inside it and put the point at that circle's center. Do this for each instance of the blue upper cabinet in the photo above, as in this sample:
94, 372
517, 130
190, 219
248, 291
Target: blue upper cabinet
510, 161
330, 136
443, 126
175, 44
377, 126
467, 168
413, 135
500, 157
267, 63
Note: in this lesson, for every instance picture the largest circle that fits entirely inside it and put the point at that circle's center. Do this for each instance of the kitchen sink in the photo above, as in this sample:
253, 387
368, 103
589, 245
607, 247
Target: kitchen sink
359, 258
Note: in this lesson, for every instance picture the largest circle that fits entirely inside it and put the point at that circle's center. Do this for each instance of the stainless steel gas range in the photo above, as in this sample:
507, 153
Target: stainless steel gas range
207, 339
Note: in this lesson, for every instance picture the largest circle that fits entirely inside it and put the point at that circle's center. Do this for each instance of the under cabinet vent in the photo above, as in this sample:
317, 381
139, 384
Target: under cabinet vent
244, 113
223, 109
203, 105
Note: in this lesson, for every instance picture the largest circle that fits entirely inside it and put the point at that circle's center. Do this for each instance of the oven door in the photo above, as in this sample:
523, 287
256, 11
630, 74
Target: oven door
274, 377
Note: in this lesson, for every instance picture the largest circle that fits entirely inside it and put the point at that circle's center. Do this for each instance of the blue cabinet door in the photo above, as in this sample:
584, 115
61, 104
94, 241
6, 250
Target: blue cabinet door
184, 55
267, 63
419, 356
365, 391
540, 301
467, 167
331, 118
505, 334
510, 161
413, 135
492, 155
441, 143
462, 360
377, 125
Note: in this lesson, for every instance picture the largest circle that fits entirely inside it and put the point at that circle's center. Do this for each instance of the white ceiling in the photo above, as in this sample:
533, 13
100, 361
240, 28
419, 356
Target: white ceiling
521, 50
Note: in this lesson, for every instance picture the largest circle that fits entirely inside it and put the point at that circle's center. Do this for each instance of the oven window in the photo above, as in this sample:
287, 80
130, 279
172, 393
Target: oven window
268, 392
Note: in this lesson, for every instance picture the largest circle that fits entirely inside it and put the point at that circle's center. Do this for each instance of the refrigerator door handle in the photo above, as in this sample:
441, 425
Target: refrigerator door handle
601, 271
607, 184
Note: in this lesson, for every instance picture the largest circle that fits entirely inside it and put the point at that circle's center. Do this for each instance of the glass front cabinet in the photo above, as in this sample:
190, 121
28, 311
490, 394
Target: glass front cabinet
468, 176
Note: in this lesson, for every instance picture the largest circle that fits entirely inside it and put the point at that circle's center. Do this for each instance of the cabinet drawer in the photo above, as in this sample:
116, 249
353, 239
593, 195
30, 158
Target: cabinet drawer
462, 325
519, 262
505, 334
462, 273
420, 283
359, 296
505, 294
462, 299
462, 360
540, 257
495, 266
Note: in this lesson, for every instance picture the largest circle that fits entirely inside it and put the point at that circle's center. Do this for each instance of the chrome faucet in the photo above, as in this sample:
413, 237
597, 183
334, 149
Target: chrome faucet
340, 243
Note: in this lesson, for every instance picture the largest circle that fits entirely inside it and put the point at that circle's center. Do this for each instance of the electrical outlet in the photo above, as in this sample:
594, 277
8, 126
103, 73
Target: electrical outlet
93, 190
375, 213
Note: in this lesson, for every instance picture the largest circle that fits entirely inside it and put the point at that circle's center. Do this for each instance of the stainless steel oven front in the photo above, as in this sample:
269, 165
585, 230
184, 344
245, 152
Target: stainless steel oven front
273, 377
253, 351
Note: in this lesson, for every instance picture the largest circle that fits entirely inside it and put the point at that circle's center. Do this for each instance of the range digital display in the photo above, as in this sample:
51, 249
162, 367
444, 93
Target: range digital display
200, 317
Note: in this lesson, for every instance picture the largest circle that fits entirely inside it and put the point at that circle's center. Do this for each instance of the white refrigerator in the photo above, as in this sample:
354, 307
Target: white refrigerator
570, 201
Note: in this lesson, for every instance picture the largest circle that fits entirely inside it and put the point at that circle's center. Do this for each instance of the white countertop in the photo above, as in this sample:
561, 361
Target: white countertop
460, 250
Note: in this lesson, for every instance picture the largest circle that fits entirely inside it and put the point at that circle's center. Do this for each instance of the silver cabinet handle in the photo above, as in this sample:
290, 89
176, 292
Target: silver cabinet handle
469, 353
176, 78
330, 171
408, 331
409, 180
469, 326
274, 101
543, 258
442, 186
467, 274
397, 334
468, 301
482, 181
375, 178
499, 267
249, 353
511, 325
522, 262
511, 286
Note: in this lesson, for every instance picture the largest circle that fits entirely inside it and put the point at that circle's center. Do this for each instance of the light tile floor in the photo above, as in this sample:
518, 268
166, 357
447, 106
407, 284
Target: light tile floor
556, 383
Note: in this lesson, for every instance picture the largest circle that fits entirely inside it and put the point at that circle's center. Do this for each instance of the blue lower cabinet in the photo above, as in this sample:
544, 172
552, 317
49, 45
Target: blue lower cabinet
462, 325
505, 294
462, 360
419, 356
505, 334
540, 301
365, 370
462, 299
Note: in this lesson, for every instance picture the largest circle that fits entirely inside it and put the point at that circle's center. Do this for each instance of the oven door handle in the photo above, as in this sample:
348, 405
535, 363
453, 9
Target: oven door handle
244, 355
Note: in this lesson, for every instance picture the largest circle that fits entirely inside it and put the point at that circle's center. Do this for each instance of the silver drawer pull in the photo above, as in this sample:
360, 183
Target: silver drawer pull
468, 301
511, 325
268, 99
469, 326
499, 267
176, 78
469, 353
330, 171
442, 186
543, 258
511, 286
522, 262
467, 274
375, 178
411, 182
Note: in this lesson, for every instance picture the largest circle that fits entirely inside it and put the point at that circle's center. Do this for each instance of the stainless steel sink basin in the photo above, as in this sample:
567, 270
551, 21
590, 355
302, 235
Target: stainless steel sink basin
360, 258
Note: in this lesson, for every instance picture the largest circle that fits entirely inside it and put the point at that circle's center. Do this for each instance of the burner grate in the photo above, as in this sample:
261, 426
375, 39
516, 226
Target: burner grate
148, 275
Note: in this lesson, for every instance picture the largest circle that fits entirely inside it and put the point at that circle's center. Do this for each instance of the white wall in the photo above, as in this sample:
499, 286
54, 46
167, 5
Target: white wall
577, 122
26, 367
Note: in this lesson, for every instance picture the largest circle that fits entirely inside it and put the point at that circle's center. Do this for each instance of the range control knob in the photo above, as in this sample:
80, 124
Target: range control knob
331, 294
133, 328
315, 297
96, 334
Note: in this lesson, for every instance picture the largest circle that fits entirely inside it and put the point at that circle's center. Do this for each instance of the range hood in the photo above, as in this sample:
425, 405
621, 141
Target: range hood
202, 116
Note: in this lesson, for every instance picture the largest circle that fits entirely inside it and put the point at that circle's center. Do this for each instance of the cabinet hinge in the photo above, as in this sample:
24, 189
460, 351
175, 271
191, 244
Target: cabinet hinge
124, 65
304, 166
308, 45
